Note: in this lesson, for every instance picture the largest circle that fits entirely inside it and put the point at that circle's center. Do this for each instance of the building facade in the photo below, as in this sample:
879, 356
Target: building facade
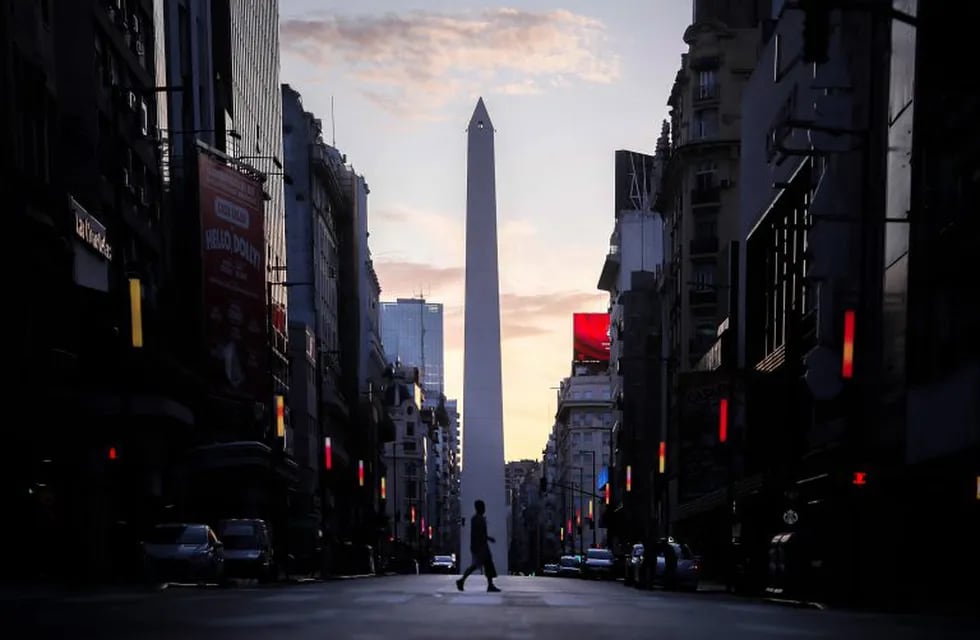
82, 176
317, 409
633, 276
406, 462
412, 334
583, 438
699, 196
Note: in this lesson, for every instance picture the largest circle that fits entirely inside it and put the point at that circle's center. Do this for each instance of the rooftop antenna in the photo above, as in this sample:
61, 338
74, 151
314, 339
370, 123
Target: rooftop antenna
333, 126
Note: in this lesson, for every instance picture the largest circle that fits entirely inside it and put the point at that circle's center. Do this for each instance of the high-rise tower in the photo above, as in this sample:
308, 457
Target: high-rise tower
483, 411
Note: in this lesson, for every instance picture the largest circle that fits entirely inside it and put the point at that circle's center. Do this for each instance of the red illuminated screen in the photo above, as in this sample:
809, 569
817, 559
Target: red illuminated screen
591, 337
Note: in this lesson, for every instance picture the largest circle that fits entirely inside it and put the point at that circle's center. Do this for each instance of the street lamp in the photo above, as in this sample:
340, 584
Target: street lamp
591, 493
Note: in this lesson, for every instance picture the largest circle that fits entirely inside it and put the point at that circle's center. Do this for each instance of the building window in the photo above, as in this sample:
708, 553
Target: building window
412, 488
706, 176
707, 84
704, 276
705, 123
410, 429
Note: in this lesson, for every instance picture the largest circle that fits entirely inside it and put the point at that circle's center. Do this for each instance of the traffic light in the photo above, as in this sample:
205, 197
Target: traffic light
723, 420
113, 454
859, 479
328, 453
816, 30
847, 354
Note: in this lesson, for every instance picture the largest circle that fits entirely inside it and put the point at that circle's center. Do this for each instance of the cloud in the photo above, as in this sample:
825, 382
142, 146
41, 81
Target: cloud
403, 278
413, 63
526, 316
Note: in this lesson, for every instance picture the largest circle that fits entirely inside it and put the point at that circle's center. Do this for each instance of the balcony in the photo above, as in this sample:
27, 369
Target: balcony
706, 195
704, 245
702, 297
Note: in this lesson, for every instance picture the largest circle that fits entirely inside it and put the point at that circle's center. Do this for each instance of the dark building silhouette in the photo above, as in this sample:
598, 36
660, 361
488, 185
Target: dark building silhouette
82, 173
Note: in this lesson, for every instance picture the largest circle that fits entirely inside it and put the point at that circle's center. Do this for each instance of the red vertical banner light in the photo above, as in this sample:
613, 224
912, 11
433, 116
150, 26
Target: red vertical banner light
723, 420
608, 492
663, 456
328, 453
430, 532
629, 478
578, 517
384, 488
360, 473
847, 357
113, 454
569, 525
411, 513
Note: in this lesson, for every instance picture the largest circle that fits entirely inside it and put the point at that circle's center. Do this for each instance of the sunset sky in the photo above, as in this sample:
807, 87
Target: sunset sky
566, 85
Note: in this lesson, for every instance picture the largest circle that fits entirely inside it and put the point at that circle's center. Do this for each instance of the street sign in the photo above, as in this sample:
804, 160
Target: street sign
790, 517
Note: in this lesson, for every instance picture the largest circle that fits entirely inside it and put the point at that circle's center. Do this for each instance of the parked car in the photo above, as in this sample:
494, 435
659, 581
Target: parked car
550, 569
686, 573
183, 552
248, 549
443, 564
600, 564
569, 567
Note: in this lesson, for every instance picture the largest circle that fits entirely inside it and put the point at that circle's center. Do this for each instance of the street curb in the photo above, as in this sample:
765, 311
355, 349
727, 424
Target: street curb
796, 604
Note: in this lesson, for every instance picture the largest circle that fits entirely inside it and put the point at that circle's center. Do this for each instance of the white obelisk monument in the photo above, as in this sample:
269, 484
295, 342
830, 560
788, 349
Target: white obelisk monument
483, 411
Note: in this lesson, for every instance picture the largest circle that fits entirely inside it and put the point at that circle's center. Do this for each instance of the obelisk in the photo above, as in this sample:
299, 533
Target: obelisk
483, 411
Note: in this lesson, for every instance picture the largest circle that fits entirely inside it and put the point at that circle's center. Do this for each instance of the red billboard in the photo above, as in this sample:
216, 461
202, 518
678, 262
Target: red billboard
233, 255
591, 337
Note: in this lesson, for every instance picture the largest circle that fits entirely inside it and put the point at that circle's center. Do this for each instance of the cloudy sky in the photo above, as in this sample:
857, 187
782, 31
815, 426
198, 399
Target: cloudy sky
566, 85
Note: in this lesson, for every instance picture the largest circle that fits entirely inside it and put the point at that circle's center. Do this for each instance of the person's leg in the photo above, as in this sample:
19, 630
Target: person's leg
466, 574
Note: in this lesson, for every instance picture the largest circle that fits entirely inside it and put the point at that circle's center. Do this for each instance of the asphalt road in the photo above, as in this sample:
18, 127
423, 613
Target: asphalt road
408, 607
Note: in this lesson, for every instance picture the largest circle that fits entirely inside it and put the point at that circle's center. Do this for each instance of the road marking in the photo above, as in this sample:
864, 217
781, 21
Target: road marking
477, 599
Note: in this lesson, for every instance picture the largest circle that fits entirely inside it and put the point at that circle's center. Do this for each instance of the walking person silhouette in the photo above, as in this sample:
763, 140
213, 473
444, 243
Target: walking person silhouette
480, 549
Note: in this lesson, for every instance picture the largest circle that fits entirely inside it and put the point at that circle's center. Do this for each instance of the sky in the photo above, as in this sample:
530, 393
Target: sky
566, 85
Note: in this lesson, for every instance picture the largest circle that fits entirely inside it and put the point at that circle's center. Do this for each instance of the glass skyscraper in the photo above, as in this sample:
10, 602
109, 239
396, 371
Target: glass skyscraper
411, 331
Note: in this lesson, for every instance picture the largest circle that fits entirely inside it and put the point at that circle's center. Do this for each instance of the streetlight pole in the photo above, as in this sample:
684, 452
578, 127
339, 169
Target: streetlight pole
581, 496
